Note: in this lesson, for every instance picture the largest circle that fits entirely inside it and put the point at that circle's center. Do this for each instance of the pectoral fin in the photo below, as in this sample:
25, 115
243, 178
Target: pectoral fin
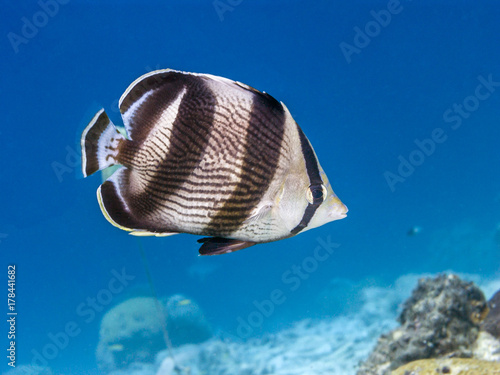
218, 245
259, 213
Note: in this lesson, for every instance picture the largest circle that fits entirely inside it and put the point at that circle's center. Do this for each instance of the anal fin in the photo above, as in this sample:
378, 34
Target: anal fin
219, 245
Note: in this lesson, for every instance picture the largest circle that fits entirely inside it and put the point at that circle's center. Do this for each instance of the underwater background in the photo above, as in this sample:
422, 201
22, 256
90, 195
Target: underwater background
405, 122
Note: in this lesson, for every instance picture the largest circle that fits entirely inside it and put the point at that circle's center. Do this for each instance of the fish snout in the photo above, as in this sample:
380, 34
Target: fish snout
339, 209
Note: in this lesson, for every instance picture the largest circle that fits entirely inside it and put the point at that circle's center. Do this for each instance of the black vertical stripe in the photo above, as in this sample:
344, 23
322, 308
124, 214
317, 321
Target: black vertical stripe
263, 143
312, 167
151, 83
190, 133
164, 88
314, 175
111, 190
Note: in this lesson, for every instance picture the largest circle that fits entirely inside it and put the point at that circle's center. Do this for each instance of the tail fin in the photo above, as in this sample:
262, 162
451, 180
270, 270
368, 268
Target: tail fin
100, 144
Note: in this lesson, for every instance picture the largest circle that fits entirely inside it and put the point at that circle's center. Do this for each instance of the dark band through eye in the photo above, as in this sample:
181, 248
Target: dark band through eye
317, 193
312, 168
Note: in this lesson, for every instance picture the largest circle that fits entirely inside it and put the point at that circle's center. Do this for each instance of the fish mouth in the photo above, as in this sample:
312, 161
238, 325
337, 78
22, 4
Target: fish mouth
339, 210
341, 214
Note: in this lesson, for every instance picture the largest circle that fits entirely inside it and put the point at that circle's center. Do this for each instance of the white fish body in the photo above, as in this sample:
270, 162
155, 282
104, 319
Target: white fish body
208, 156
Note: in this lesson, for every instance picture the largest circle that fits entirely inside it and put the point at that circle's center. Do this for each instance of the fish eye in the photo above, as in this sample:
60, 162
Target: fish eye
316, 194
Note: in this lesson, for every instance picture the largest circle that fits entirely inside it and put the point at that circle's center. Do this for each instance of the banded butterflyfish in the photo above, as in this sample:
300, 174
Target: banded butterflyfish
208, 156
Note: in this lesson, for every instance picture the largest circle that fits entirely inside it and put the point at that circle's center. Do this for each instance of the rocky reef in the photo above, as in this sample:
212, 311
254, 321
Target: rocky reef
455, 366
492, 322
445, 326
186, 322
442, 318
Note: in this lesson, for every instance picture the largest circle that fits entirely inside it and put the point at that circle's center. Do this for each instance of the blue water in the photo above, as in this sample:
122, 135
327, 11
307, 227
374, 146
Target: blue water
360, 115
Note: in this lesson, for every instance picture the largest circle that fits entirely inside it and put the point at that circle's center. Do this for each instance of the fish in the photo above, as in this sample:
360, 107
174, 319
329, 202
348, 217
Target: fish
184, 302
208, 156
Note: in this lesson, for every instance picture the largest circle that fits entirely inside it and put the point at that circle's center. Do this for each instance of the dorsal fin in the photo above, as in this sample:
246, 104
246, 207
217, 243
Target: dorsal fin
149, 95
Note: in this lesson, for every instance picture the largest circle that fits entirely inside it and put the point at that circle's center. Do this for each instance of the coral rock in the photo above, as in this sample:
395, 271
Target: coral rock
492, 322
132, 332
451, 366
186, 322
441, 317
486, 347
